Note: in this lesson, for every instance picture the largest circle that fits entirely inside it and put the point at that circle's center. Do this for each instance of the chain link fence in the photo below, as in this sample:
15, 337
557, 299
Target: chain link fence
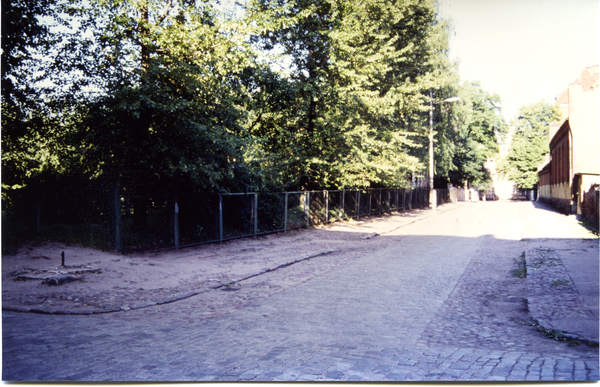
109, 219
176, 221
74, 214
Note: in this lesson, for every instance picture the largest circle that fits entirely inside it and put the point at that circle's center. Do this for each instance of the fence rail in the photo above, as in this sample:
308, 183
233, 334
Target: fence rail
111, 219
176, 221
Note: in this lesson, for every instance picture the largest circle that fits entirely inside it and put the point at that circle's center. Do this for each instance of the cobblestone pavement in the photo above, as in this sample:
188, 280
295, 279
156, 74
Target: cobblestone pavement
436, 300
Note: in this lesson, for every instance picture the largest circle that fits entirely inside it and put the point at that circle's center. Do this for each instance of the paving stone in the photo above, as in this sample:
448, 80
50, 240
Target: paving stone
334, 375
395, 376
414, 308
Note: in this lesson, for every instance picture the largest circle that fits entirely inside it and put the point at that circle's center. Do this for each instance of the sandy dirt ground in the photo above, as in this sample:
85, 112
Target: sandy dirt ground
93, 281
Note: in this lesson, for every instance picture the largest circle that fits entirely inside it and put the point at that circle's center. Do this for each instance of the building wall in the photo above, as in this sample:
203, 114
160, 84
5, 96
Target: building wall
584, 119
504, 189
574, 144
544, 185
560, 197
560, 168
590, 206
584, 183
563, 103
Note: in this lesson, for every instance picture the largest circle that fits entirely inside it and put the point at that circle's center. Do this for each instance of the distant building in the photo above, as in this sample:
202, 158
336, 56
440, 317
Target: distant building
573, 167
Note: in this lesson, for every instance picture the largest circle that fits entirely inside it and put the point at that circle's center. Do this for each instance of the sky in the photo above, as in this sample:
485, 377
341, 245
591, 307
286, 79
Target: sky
523, 50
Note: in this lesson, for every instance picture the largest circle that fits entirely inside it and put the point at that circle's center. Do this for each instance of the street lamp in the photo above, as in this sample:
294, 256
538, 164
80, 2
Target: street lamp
432, 193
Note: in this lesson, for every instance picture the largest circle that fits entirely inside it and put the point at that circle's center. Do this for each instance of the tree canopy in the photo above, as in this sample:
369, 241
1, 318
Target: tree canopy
159, 96
529, 143
478, 127
356, 79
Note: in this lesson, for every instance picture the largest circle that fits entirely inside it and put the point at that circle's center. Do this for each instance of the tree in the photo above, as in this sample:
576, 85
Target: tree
529, 144
171, 112
478, 128
147, 97
34, 123
357, 72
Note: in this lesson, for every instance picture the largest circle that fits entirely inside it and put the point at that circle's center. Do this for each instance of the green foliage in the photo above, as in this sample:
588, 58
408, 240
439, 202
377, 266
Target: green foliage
21, 32
529, 144
29, 135
356, 75
172, 116
171, 96
467, 135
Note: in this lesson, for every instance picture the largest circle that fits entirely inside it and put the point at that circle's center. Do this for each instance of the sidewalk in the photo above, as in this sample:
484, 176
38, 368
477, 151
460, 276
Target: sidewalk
93, 282
563, 276
555, 297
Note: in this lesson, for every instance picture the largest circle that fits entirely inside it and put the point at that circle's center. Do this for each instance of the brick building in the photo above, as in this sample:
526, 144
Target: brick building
573, 167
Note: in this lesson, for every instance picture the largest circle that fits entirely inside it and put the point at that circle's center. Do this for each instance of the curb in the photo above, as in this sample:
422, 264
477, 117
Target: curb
22, 309
553, 295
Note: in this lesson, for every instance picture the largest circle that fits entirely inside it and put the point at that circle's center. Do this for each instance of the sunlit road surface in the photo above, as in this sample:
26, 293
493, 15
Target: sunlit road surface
371, 319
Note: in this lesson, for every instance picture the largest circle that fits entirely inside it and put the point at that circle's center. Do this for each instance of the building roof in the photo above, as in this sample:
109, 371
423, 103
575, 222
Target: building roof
563, 98
589, 78
564, 129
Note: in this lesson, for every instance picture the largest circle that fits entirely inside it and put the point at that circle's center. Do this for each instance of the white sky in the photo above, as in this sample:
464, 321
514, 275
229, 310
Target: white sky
524, 50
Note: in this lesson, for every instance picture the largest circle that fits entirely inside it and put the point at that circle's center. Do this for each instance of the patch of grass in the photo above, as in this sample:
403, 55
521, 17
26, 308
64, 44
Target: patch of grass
561, 282
89, 235
556, 335
551, 333
521, 270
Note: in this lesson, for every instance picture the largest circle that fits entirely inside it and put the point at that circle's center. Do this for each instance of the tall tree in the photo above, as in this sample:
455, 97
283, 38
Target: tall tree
477, 127
171, 117
530, 143
357, 69
32, 120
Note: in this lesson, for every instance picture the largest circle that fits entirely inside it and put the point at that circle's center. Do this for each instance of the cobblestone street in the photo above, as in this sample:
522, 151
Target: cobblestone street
434, 299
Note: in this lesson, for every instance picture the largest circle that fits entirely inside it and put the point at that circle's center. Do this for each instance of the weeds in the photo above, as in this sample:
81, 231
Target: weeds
551, 334
521, 270
557, 335
561, 282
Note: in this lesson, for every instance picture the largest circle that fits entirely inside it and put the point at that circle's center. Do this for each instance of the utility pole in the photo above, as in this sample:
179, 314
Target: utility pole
432, 192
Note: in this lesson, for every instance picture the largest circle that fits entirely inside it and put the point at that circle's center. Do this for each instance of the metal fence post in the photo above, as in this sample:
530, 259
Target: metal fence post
117, 238
285, 213
369, 202
37, 207
357, 204
307, 208
220, 218
255, 215
176, 222
326, 197
343, 211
